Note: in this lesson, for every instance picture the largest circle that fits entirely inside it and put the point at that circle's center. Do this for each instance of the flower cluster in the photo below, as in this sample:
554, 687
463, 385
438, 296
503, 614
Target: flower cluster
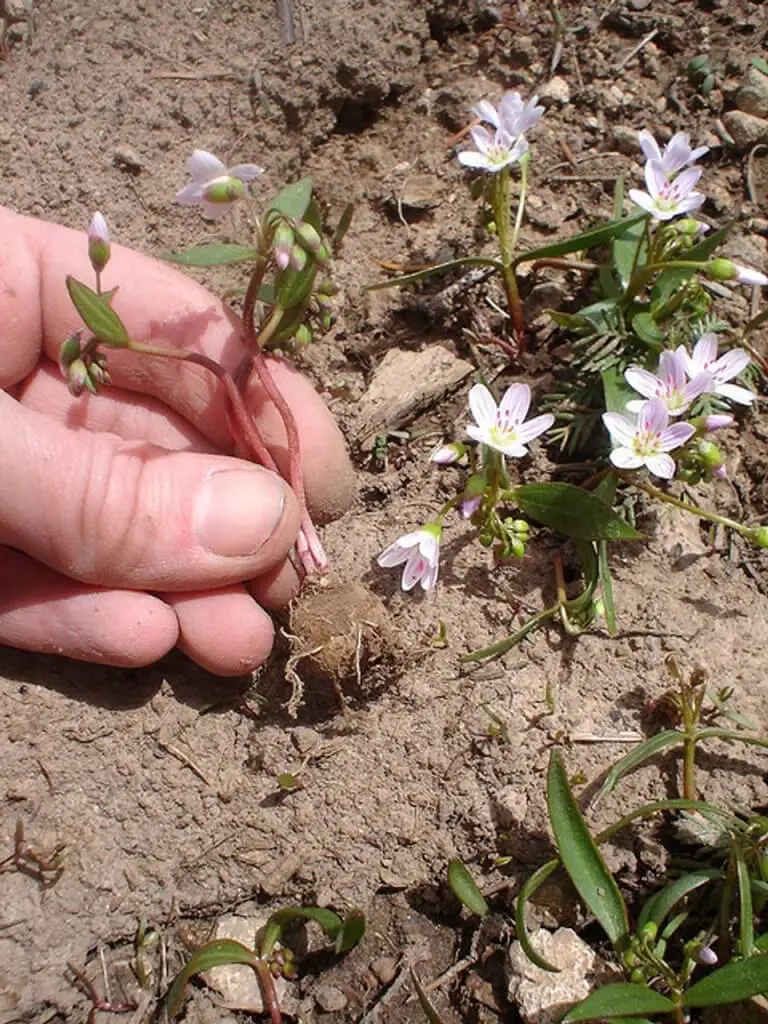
682, 378
506, 144
503, 432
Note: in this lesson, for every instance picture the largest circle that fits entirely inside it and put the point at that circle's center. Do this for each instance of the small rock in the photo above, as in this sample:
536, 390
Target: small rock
555, 92
752, 97
384, 969
305, 739
541, 997
639, 5
127, 159
624, 139
746, 130
330, 999
511, 807
755, 1011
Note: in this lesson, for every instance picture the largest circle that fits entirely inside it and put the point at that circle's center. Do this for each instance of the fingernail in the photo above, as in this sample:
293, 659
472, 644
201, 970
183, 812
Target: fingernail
238, 510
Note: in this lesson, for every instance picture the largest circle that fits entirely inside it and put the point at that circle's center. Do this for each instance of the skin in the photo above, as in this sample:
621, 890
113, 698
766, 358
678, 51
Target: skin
127, 526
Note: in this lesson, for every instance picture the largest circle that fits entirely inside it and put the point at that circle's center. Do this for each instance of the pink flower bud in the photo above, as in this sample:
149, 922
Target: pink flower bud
98, 242
717, 421
469, 506
447, 454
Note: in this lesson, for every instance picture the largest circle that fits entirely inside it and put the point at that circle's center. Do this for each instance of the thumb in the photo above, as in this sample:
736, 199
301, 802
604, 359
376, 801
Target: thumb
131, 514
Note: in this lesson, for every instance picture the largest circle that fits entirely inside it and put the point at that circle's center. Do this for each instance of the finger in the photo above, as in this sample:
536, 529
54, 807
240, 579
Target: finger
277, 587
163, 306
43, 611
224, 630
128, 514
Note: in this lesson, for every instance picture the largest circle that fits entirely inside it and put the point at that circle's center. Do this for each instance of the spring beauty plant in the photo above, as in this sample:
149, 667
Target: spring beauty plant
654, 375
287, 293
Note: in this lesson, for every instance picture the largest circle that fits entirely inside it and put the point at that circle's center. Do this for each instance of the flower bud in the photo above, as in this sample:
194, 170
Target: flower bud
98, 242
309, 237
759, 536
69, 352
707, 956
720, 270
713, 421
77, 378
517, 547
222, 191
282, 244
303, 335
447, 454
710, 454
469, 506
299, 257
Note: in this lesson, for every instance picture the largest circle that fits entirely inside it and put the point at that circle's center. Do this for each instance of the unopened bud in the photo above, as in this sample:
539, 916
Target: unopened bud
69, 352
707, 956
447, 454
721, 270
283, 243
714, 421
224, 190
98, 242
759, 536
77, 378
309, 237
298, 258
469, 506
710, 454
517, 547
303, 335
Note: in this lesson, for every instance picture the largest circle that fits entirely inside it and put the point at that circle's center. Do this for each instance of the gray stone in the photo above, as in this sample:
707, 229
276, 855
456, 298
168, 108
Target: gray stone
541, 997
330, 999
555, 93
746, 130
752, 97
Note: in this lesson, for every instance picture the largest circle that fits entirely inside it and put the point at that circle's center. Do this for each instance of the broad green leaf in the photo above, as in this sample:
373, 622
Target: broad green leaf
436, 268
737, 981
212, 954
424, 1001
760, 64
669, 281
582, 859
621, 1000
293, 201
97, 314
464, 888
625, 250
639, 755
746, 922
351, 933
212, 254
528, 888
616, 391
330, 922
647, 330
605, 488
572, 511
659, 905
579, 243
761, 942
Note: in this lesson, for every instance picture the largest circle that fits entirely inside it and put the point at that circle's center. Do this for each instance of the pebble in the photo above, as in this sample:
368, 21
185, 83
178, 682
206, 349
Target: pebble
126, 158
384, 969
555, 92
330, 999
624, 139
541, 997
746, 130
752, 97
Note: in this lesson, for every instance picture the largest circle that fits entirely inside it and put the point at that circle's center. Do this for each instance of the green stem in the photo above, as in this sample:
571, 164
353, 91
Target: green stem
508, 642
640, 278
501, 204
689, 750
695, 510
524, 163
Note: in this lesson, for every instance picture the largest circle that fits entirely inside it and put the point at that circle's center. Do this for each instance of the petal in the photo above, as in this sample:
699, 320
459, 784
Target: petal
482, 405
704, 352
512, 449
730, 365
486, 111
519, 150
477, 161
214, 211
677, 153
644, 201
415, 568
621, 428
686, 181
203, 166
746, 275
690, 366
700, 385
645, 383
697, 154
533, 428
514, 404
661, 465
635, 405
429, 545
675, 436
690, 203
481, 137
479, 434
654, 416
672, 370
743, 396
625, 458
648, 145
655, 178
190, 195
245, 172
429, 579
395, 554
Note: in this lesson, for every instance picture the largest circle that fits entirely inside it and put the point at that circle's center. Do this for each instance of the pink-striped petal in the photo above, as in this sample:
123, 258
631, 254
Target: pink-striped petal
671, 370
203, 166
645, 383
655, 178
626, 458
475, 161
415, 569
190, 195
653, 417
482, 405
743, 396
482, 138
660, 465
533, 428
675, 436
677, 153
514, 405
395, 554
486, 111
686, 181
643, 200
730, 365
704, 352
620, 428
245, 172
649, 145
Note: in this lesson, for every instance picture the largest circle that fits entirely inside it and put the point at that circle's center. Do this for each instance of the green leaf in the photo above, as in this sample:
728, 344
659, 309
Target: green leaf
528, 888
424, 1001
670, 280
761, 942
572, 511
606, 582
647, 330
330, 922
212, 954
625, 249
212, 254
436, 268
97, 314
605, 489
294, 287
621, 1001
351, 933
746, 922
760, 64
579, 243
661, 903
293, 201
639, 755
738, 980
616, 391
343, 226
582, 859
731, 735
464, 888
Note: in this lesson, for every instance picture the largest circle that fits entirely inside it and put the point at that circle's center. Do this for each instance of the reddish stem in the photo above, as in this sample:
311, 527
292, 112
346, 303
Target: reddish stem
268, 993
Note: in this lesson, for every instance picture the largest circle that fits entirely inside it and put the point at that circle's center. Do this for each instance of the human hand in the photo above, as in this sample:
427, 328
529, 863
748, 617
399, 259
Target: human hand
126, 526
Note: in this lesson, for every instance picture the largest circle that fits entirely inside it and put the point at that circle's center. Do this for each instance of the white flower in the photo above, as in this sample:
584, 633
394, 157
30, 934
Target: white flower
420, 550
647, 441
666, 199
513, 114
502, 427
671, 385
704, 359
214, 186
677, 152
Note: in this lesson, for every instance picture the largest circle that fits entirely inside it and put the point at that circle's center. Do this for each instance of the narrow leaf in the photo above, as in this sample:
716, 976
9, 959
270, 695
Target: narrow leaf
581, 857
97, 314
343, 226
621, 1000
212, 254
351, 933
464, 888
606, 582
528, 888
330, 922
436, 268
293, 201
746, 922
659, 905
616, 391
639, 755
738, 980
212, 954
647, 330
581, 242
424, 1001
573, 511
625, 250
